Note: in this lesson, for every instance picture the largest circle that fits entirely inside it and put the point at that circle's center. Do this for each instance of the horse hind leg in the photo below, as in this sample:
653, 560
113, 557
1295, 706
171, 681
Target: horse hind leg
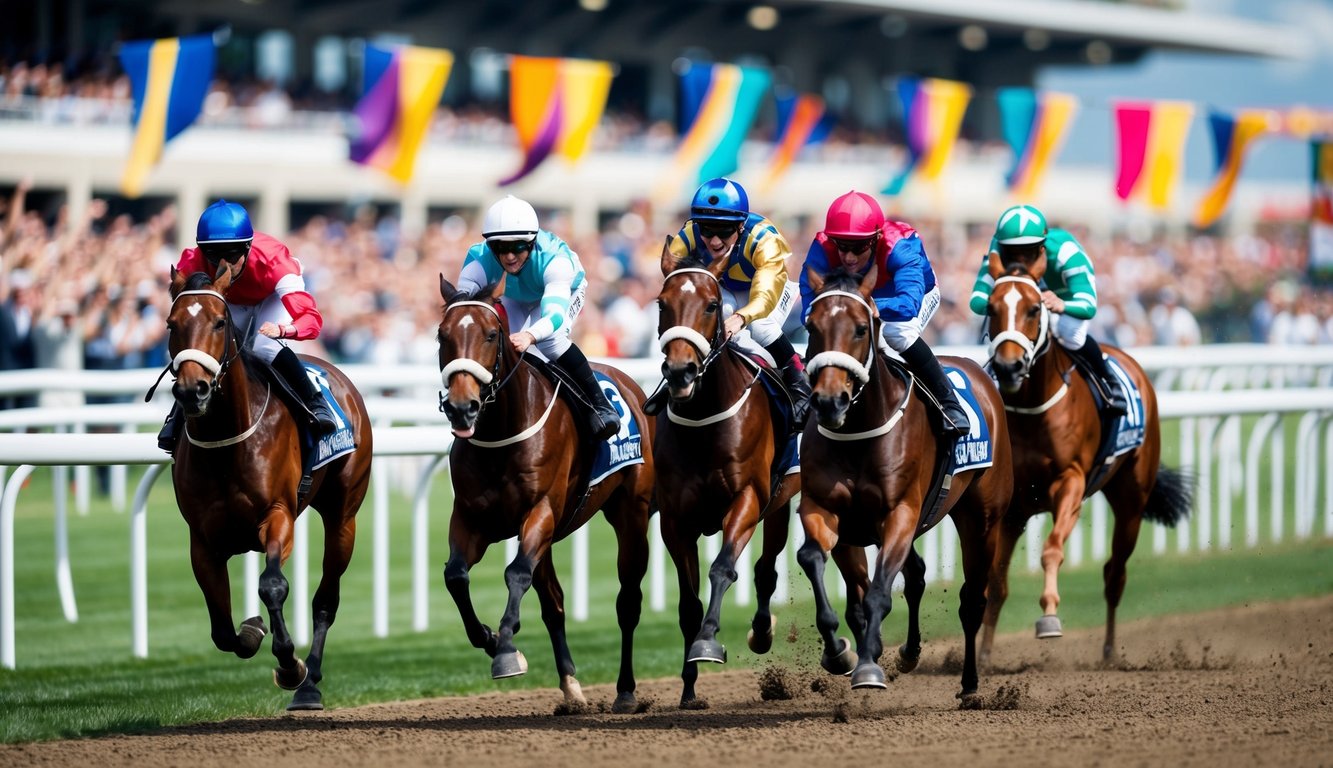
1006, 535
1126, 504
629, 518
210, 573
552, 599
914, 586
760, 637
324, 608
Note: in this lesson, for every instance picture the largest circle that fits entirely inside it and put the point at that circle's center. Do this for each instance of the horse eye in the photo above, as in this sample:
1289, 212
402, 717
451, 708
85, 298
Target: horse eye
1034, 311
492, 336
990, 310
712, 307
862, 330
219, 324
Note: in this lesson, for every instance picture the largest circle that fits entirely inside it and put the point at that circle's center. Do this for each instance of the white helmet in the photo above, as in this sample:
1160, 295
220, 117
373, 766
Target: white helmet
510, 219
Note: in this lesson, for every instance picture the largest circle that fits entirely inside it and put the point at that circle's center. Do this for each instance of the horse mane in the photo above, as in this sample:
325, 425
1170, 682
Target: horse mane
691, 261
198, 281
842, 279
1014, 268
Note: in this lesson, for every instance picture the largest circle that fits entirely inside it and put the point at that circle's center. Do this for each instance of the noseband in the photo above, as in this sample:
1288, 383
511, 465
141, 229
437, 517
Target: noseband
490, 387
861, 372
1031, 349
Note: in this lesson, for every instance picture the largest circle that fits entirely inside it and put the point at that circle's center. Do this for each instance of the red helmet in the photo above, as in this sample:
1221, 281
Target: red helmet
853, 215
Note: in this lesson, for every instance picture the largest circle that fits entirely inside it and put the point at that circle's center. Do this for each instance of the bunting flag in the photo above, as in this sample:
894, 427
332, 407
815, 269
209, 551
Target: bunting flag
555, 104
802, 120
1233, 135
1151, 148
1321, 212
168, 80
1035, 127
400, 90
719, 102
932, 114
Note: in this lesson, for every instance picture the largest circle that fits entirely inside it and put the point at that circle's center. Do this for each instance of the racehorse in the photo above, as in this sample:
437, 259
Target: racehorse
1057, 431
716, 446
869, 468
520, 468
237, 473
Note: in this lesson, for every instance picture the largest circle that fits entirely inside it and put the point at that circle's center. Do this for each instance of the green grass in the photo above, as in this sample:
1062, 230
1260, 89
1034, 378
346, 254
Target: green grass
81, 679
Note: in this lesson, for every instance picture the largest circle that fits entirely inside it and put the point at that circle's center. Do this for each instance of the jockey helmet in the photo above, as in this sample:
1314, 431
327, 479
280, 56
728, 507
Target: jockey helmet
720, 200
853, 215
1020, 225
224, 222
510, 219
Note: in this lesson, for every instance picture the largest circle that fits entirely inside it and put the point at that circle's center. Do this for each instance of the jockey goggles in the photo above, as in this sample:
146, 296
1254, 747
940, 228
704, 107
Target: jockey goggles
720, 229
231, 251
501, 247
852, 246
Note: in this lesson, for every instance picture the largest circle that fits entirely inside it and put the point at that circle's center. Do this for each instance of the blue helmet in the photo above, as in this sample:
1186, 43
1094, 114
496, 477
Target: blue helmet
720, 200
224, 222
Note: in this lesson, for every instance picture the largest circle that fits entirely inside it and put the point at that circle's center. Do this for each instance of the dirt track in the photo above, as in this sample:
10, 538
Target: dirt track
1242, 687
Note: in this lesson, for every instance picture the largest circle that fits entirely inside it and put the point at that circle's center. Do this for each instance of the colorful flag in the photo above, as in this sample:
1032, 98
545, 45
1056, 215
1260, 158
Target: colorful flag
932, 113
1233, 135
1035, 126
555, 104
1152, 150
401, 89
168, 79
801, 121
1321, 212
719, 104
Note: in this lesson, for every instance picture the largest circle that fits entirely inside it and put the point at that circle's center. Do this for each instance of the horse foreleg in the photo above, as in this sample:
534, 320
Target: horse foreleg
630, 521
273, 588
914, 586
821, 535
339, 539
776, 524
899, 528
534, 542
210, 572
1005, 536
1067, 500
465, 550
684, 549
977, 560
852, 565
737, 529
552, 599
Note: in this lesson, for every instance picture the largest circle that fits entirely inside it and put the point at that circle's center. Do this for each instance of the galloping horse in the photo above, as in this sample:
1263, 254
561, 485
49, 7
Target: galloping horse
520, 468
1057, 431
716, 446
237, 471
869, 464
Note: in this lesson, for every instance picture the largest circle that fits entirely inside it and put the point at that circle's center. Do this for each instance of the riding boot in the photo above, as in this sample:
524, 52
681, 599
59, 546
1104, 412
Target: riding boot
926, 366
321, 416
604, 421
171, 429
795, 379
1090, 354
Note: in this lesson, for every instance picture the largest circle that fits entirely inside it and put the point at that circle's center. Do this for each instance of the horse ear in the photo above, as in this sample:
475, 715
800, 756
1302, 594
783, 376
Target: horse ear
868, 282
668, 258
222, 279
719, 267
447, 289
177, 282
994, 265
1038, 266
492, 293
816, 279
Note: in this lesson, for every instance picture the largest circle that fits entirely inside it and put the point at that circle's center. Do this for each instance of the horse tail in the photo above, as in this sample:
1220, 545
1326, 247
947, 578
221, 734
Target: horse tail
1171, 498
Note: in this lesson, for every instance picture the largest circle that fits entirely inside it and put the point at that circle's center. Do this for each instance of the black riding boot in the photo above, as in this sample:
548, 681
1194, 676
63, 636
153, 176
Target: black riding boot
166, 439
794, 377
927, 367
604, 420
1090, 354
289, 365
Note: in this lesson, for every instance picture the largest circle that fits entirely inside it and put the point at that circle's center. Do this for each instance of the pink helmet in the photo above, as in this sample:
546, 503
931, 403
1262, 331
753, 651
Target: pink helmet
853, 215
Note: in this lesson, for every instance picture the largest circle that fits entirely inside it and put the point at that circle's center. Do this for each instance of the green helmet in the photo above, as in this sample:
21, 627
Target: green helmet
1020, 225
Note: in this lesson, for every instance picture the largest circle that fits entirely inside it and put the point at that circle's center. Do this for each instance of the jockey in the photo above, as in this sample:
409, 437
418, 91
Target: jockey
269, 293
1070, 289
855, 235
755, 290
543, 295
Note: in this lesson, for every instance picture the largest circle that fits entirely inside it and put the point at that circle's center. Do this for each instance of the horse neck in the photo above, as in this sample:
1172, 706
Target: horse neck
720, 385
881, 396
1048, 373
518, 403
235, 393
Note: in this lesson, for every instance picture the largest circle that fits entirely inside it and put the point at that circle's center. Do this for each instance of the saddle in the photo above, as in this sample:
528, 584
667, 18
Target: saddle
781, 410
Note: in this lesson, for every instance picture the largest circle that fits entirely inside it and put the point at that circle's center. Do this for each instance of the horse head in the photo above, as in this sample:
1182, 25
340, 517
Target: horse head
1018, 322
474, 342
689, 324
201, 338
844, 333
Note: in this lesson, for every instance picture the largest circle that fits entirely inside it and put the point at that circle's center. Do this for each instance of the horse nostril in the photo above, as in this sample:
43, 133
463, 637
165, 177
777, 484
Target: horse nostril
200, 388
473, 408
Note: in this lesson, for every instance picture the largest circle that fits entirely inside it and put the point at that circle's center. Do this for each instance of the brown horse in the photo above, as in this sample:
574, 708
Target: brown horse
236, 477
517, 463
867, 464
716, 445
1057, 431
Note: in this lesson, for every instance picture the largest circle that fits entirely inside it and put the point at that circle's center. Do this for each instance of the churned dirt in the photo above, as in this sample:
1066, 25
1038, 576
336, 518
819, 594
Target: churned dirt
1240, 687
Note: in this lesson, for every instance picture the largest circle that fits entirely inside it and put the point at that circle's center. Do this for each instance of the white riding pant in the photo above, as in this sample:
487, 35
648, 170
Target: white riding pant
522, 315
250, 318
901, 334
764, 330
1071, 332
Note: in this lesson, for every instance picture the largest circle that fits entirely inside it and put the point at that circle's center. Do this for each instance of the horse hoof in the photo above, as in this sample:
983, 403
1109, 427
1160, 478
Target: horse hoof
573, 692
250, 637
868, 676
908, 660
290, 679
307, 698
625, 704
762, 643
1049, 626
841, 664
707, 650
510, 664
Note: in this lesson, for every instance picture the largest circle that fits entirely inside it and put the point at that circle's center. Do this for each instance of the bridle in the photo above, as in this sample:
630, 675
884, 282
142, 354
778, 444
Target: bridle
1031, 349
216, 368
489, 378
708, 350
861, 372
